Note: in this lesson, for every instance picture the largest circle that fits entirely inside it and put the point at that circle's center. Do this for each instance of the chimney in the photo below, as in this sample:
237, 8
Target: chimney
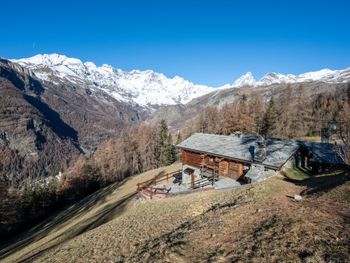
260, 152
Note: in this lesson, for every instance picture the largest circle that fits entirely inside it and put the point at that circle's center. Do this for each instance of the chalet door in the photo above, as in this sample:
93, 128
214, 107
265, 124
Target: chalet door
223, 168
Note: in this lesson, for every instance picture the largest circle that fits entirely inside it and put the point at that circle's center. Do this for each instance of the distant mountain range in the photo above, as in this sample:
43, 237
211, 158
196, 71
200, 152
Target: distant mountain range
324, 75
149, 88
145, 88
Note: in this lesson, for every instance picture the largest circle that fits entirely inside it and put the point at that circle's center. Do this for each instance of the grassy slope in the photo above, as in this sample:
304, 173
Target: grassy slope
254, 223
81, 217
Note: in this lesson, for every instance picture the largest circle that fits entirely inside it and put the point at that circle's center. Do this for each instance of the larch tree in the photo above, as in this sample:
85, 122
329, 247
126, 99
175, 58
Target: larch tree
208, 120
228, 119
244, 119
257, 110
343, 121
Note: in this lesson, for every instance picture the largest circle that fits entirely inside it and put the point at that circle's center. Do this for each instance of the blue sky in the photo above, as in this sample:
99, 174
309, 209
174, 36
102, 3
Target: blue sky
206, 42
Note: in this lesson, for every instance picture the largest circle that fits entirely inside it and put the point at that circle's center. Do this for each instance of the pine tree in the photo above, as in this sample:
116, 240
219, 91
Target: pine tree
162, 144
170, 151
270, 119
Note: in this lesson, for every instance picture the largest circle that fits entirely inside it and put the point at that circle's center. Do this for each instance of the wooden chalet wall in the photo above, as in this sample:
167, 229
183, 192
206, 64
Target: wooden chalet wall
227, 168
191, 158
235, 170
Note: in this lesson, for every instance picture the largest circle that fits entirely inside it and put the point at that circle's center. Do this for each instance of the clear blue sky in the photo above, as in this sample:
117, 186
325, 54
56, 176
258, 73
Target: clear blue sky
207, 42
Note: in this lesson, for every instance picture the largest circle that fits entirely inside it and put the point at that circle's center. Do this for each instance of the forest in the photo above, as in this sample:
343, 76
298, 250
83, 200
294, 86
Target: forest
147, 146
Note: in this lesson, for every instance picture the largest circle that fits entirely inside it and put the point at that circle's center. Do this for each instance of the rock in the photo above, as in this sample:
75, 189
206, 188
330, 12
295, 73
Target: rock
297, 198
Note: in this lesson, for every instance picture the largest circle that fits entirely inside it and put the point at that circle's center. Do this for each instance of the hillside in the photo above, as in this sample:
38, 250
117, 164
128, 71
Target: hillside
35, 141
44, 127
253, 223
178, 116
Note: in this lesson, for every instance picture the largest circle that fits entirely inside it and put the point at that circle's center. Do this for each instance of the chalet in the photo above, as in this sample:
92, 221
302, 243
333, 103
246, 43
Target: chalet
218, 161
226, 161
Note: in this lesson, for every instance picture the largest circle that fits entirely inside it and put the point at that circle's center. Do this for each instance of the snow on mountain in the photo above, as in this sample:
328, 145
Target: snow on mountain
142, 87
245, 80
324, 75
149, 88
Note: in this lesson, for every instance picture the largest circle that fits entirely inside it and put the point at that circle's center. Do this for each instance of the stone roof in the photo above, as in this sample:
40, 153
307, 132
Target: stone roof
323, 152
244, 148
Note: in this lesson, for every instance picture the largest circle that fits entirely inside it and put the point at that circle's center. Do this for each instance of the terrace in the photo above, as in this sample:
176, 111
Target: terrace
173, 184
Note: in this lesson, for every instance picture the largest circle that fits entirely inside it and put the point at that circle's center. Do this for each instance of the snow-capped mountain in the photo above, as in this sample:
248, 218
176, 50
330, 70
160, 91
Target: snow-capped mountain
324, 75
145, 88
245, 80
148, 88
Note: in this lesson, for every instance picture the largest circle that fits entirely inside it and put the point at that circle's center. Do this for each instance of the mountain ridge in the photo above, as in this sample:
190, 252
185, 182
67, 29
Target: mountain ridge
139, 87
151, 89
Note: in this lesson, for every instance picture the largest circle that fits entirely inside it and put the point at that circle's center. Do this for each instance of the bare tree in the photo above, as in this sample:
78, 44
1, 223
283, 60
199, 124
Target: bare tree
344, 132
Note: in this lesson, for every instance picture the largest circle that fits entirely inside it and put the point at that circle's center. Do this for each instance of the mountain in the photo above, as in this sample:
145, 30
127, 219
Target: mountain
180, 116
46, 125
34, 139
144, 88
245, 80
324, 75
149, 89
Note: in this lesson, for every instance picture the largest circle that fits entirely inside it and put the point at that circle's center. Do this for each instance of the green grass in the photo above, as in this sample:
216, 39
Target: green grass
310, 138
297, 174
301, 174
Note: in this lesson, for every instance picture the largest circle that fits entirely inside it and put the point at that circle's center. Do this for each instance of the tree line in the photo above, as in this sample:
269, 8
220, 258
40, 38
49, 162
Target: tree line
291, 115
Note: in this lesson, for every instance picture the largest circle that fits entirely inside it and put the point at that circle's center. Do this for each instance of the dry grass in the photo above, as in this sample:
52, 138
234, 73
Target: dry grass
254, 223
89, 213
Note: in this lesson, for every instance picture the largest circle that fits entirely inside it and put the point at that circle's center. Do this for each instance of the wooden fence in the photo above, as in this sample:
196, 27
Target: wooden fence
147, 187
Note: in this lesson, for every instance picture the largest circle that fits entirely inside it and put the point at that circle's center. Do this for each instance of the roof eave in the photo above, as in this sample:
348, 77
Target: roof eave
273, 167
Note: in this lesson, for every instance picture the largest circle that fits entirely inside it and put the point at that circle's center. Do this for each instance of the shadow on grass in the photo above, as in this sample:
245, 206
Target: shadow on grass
105, 215
319, 183
61, 218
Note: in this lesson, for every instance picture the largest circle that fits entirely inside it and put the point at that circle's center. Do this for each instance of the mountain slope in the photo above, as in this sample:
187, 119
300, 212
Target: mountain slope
252, 223
178, 116
44, 125
35, 141
89, 213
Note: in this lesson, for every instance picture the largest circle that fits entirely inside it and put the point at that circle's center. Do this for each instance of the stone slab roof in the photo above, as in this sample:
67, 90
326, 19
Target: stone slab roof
323, 152
244, 148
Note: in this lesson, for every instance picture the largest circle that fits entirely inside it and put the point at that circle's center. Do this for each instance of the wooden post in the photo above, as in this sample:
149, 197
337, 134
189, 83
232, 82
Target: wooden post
192, 180
214, 168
